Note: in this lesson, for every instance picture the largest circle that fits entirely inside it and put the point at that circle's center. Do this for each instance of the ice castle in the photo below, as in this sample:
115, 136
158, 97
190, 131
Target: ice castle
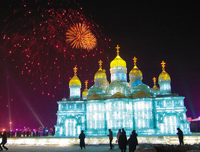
121, 104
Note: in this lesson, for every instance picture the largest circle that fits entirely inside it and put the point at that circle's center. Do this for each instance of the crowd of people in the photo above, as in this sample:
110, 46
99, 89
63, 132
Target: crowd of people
31, 132
122, 140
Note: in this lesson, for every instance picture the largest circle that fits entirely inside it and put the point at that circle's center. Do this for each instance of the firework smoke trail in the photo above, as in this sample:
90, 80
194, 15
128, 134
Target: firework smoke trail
35, 37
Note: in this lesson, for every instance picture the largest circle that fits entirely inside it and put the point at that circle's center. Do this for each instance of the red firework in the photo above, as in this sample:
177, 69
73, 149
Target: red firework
35, 35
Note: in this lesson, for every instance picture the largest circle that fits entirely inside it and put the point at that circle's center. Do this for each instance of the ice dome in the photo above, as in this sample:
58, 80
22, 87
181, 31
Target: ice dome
100, 74
118, 61
135, 72
75, 80
164, 76
85, 91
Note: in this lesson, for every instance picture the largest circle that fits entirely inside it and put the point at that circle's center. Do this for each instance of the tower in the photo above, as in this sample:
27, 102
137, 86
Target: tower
164, 81
155, 89
118, 68
84, 93
100, 78
75, 85
135, 75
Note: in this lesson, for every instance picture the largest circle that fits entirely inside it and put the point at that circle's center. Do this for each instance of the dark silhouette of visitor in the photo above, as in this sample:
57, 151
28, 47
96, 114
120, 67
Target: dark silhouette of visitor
122, 141
118, 134
37, 133
180, 136
110, 135
45, 131
82, 139
123, 131
4, 141
19, 133
24, 133
27, 133
132, 141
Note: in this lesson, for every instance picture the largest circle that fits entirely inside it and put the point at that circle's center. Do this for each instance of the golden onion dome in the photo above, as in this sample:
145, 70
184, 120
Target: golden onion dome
164, 76
155, 88
118, 61
135, 71
100, 74
75, 80
85, 91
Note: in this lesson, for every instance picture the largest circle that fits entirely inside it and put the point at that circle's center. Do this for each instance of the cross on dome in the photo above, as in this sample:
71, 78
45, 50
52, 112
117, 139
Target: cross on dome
135, 60
86, 83
117, 49
75, 70
154, 80
100, 64
163, 65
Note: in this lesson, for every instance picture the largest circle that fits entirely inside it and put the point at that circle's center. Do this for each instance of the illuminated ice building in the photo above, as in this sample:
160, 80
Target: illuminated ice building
121, 104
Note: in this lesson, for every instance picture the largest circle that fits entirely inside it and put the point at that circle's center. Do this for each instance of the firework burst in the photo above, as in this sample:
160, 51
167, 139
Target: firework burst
35, 40
80, 36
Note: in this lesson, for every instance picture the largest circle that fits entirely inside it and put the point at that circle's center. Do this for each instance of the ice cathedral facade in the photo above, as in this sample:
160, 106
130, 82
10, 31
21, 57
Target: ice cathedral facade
121, 104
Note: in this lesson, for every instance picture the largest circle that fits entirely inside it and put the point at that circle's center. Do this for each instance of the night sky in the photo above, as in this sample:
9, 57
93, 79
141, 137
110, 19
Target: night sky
150, 31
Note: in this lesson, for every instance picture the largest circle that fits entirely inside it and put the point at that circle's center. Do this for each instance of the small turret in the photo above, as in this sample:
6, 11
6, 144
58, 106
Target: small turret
155, 89
84, 93
118, 68
100, 77
164, 81
135, 75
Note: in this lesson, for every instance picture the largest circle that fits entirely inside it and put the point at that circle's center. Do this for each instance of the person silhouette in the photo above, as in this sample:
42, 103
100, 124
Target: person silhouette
4, 141
110, 135
132, 141
82, 139
122, 141
118, 134
180, 136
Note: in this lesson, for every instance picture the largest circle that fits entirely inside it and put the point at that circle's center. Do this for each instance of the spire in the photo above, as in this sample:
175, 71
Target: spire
163, 65
100, 64
164, 81
75, 70
118, 61
117, 49
85, 91
154, 82
86, 83
135, 60
75, 85
155, 89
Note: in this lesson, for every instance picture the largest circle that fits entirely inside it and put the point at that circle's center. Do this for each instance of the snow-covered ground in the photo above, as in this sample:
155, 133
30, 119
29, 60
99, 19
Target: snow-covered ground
102, 148
28, 148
